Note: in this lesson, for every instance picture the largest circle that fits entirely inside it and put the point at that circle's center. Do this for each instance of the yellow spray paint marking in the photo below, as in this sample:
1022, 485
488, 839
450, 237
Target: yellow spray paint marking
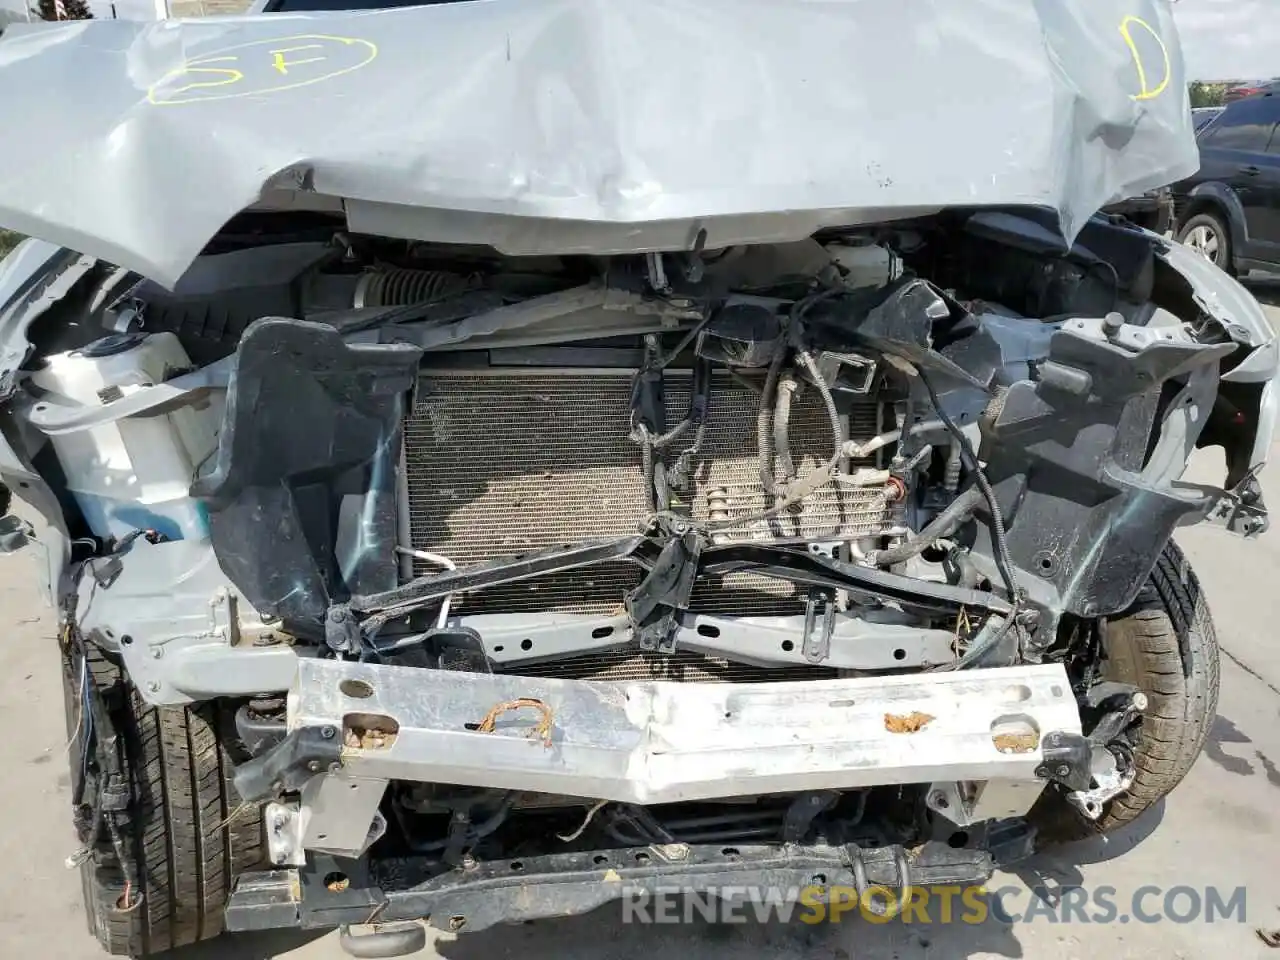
282, 65
261, 67
1147, 92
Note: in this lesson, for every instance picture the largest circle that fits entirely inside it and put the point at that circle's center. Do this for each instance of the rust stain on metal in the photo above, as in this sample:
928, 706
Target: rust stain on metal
541, 732
338, 884
912, 722
368, 736
1016, 742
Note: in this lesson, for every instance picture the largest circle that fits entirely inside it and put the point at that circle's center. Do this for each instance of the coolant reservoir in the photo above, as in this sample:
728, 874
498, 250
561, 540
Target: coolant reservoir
134, 473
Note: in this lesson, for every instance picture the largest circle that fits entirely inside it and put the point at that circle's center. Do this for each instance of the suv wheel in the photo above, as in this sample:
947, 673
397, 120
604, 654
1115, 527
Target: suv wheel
1166, 646
189, 839
1208, 235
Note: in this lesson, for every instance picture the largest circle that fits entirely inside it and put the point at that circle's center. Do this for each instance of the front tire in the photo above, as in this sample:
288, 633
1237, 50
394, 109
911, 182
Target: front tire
1166, 646
189, 838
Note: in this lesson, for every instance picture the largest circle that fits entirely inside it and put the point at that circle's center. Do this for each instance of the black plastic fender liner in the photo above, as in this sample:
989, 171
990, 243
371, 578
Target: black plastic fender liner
301, 500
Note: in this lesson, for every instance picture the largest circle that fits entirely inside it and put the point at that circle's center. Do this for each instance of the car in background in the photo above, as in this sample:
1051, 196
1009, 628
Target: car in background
1229, 210
1201, 117
1251, 88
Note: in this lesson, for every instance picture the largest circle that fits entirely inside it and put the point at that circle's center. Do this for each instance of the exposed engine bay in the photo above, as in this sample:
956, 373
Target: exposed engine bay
436, 492
538, 453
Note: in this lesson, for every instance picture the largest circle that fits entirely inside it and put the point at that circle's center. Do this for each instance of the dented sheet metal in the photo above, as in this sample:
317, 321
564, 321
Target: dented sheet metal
574, 125
659, 742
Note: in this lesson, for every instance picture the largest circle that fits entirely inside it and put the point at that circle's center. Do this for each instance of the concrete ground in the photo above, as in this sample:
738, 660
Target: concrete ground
1220, 828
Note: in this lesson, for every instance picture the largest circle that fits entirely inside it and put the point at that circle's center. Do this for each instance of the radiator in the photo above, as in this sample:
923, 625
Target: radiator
501, 463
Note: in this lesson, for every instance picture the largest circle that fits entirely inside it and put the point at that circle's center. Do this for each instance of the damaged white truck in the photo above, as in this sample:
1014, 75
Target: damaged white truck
493, 456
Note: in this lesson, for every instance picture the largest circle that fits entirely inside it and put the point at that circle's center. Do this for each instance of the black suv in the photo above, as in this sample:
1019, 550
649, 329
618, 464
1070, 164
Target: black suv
1230, 209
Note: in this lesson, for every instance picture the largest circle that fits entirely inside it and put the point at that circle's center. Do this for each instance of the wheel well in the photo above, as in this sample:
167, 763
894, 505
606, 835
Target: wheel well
1199, 205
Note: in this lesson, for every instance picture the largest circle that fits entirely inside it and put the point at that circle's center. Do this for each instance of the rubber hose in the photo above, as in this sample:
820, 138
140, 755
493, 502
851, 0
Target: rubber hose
782, 428
829, 401
943, 525
967, 574
762, 420
646, 460
800, 489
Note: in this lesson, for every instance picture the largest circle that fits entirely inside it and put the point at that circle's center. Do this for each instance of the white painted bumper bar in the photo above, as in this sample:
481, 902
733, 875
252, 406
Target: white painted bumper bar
657, 742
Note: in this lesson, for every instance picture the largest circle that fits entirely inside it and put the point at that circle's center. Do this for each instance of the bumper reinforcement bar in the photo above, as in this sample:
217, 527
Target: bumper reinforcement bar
660, 742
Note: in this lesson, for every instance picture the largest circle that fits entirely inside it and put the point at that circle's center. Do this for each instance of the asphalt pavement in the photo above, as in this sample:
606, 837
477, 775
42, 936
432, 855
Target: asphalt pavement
1215, 834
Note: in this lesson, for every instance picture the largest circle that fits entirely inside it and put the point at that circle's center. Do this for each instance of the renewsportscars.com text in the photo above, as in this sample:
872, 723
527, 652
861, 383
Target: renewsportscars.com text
938, 905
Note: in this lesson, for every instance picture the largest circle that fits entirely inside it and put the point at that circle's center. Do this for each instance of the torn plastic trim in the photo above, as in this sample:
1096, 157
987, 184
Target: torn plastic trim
1221, 296
34, 277
1226, 301
302, 495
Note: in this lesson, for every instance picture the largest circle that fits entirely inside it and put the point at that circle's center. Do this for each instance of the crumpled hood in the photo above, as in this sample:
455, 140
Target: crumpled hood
574, 125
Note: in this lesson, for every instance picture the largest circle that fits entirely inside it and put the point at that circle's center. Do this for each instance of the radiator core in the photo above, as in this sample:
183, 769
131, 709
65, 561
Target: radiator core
500, 463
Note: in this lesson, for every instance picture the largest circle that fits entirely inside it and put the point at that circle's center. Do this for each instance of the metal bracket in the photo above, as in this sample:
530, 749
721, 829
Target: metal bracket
284, 835
222, 614
664, 593
634, 826
1109, 709
291, 763
817, 645
1108, 778
1067, 758
341, 631
657, 274
804, 809
1241, 510
954, 800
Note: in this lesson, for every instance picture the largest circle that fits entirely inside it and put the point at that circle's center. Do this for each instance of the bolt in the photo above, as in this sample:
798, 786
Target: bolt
674, 851
468, 862
1112, 323
266, 640
335, 767
328, 732
1063, 769
153, 686
1042, 772
938, 799
337, 615
315, 766
1140, 701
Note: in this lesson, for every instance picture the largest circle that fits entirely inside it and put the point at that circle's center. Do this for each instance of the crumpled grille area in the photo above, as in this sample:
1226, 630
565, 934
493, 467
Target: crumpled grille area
502, 463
